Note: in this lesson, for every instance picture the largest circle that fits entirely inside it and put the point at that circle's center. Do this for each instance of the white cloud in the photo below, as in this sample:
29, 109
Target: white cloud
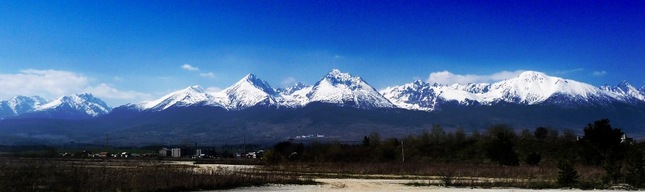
52, 84
288, 81
105, 91
208, 75
447, 78
599, 73
46, 83
189, 67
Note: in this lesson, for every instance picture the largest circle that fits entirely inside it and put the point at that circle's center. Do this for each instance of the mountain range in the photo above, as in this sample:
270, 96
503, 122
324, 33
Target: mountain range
79, 106
343, 89
337, 100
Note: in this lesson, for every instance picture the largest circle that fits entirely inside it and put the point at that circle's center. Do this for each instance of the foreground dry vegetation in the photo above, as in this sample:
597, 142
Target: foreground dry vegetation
445, 174
34, 174
602, 158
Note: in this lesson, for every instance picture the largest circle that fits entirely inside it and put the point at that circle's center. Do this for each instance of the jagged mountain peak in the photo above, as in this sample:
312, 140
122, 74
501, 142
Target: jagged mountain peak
625, 91
251, 80
248, 92
335, 76
189, 96
293, 88
417, 95
80, 104
625, 85
344, 89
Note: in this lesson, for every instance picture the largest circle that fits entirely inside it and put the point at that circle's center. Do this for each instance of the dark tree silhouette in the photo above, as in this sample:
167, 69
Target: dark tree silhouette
601, 142
500, 147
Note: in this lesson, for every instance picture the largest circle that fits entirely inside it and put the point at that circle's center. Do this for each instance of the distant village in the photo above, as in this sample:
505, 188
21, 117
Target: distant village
176, 152
186, 152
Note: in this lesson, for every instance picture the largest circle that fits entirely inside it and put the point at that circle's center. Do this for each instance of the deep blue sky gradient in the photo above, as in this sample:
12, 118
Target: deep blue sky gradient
140, 45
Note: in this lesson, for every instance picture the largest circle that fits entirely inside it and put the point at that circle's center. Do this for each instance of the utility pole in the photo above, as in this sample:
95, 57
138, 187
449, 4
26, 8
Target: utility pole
244, 144
106, 142
402, 151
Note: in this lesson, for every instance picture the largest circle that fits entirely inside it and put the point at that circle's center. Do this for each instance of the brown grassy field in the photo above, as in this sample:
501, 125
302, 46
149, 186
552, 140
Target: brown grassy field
35, 174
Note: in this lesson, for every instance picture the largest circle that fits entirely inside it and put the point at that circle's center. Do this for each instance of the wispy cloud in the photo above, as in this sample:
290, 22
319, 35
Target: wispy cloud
55, 83
106, 91
189, 67
42, 82
208, 75
288, 81
569, 71
447, 78
599, 73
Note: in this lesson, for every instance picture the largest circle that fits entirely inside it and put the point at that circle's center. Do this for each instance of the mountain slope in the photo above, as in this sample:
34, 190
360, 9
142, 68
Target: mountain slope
534, 87
77, 106
346, 90
248, 92
190, 96
417, 95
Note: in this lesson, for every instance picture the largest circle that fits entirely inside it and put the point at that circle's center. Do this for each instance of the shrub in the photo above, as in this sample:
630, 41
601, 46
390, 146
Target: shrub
533, 159
567, 175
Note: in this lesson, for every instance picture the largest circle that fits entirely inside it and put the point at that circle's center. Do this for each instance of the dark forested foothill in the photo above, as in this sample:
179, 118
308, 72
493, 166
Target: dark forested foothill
601, 146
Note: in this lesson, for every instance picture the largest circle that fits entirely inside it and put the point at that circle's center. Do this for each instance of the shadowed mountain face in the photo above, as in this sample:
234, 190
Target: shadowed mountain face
215, 125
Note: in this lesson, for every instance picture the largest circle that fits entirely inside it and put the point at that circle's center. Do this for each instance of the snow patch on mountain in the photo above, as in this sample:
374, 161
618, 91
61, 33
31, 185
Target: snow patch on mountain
190, 96
294, 96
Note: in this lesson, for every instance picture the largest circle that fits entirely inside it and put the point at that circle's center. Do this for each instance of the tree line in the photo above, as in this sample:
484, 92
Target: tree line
601, 145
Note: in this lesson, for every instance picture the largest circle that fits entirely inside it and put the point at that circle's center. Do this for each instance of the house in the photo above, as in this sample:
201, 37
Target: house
104, 154
175, 152
625, 139
164, 152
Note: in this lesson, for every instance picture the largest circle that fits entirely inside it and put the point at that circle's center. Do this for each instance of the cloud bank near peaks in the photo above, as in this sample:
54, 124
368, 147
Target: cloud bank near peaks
448, 78
52, 84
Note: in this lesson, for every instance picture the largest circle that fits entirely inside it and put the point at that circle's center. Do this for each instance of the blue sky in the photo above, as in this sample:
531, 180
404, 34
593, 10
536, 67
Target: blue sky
128, 51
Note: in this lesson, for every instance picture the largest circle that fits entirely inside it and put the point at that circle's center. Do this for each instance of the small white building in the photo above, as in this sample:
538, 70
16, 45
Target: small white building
175, 152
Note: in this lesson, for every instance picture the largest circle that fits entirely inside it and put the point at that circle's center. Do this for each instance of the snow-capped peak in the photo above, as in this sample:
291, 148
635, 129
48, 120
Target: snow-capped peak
533, 87
344, 89
248, 92
625, 92
257, 83
188, 96
84, 103
417, 95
